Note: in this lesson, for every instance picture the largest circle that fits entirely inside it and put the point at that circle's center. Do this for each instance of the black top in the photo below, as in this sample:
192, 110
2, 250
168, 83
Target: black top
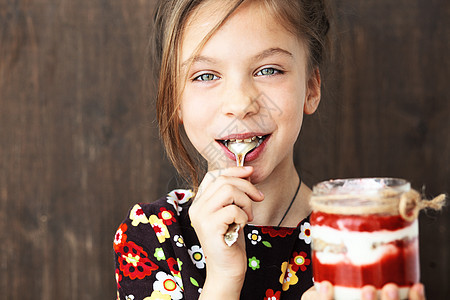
158, 255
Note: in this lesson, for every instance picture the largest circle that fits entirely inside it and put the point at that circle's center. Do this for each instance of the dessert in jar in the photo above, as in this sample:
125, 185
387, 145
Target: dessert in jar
365, 232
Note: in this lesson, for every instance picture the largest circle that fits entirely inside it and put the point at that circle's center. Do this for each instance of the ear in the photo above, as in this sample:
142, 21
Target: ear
312, 93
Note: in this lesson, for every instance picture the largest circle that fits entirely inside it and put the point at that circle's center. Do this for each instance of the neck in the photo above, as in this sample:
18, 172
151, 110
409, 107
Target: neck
279, 189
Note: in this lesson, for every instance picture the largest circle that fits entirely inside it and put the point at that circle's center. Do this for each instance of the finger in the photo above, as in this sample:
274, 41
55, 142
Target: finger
228, 187
310, 294
237, 198
213, 176
229, 215
417, 292
326, 290
243, 185
216, 224
389, 292
240, 172
222, 196
368, 292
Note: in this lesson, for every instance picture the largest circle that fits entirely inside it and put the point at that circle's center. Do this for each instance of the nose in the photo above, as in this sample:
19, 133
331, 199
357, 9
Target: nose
240, 100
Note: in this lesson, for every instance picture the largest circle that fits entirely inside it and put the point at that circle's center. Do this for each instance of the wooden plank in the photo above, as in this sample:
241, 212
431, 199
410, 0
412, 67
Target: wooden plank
79, 145
385, 111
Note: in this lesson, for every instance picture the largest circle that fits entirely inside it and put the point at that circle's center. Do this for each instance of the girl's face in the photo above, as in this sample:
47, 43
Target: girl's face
249, 80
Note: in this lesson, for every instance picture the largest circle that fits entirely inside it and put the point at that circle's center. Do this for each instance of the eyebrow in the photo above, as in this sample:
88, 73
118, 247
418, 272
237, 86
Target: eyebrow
271, 51
260, 56
198, 58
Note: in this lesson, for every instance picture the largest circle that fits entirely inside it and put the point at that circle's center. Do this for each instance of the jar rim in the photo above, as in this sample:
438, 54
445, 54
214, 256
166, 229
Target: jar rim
376, 195
370, 186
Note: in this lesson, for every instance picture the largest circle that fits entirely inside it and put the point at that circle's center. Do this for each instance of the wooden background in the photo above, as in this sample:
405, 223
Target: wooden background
79, 145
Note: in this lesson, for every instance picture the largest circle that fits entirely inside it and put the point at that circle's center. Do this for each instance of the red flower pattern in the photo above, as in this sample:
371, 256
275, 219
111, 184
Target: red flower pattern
271, 295
166, 216
299, 261
173, 266
120, 237
118, 278
134, 261
277, 231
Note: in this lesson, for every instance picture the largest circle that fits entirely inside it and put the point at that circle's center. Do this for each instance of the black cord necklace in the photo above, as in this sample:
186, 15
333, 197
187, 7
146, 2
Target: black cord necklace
290, 204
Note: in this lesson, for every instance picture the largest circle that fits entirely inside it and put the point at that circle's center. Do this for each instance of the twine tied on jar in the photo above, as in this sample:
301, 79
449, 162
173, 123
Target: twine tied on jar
402, 201
411, 203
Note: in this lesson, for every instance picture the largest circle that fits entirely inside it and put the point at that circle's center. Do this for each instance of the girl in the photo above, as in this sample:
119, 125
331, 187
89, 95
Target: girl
231, 70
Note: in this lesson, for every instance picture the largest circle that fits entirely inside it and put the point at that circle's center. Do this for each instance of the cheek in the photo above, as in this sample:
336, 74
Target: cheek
291, 116
289, 103
197, 103
193, 121
197, 117
191, 109
292, 121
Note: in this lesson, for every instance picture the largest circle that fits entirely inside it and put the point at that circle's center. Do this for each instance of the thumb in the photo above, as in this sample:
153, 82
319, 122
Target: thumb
326, 290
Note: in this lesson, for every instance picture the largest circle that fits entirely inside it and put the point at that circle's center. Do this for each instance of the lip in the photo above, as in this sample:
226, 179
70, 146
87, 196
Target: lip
254, 154
242, 136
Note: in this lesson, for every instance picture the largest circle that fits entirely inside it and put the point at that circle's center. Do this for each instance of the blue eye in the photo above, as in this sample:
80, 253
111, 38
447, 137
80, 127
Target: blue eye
268, 72
206, 77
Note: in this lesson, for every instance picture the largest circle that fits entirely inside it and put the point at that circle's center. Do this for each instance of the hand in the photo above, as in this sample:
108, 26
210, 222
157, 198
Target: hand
388, 292
224, 197
325, 293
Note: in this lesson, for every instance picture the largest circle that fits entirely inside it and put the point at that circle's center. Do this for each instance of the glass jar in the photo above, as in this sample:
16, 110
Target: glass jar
364, 232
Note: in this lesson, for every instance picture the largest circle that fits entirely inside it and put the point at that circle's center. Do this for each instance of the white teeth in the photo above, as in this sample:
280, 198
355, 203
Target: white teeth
248, 140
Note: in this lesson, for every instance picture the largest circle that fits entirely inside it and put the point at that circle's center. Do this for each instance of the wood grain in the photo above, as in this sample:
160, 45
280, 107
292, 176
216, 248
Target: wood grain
79, 145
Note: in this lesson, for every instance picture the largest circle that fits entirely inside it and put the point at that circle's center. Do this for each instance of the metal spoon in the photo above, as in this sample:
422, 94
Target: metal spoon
240, 150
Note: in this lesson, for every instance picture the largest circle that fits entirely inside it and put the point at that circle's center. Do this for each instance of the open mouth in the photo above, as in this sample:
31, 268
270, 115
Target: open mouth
256, 140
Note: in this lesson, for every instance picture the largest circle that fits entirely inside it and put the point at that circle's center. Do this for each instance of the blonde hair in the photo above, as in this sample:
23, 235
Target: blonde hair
306, 19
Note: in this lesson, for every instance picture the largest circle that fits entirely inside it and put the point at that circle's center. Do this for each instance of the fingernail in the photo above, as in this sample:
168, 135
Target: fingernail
248, 168
261, 193
420, 290
324, 289
392, 294
368, 295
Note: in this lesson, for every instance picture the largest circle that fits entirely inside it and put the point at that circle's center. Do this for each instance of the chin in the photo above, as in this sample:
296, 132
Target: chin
257, 177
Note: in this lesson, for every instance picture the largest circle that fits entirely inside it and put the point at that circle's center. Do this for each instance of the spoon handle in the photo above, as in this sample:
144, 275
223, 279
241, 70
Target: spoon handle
233, 230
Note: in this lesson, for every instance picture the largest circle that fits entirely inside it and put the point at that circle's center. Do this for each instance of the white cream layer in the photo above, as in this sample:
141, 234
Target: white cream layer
362, 247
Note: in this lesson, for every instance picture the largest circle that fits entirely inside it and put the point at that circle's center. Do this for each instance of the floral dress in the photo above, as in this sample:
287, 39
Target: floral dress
158, 255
